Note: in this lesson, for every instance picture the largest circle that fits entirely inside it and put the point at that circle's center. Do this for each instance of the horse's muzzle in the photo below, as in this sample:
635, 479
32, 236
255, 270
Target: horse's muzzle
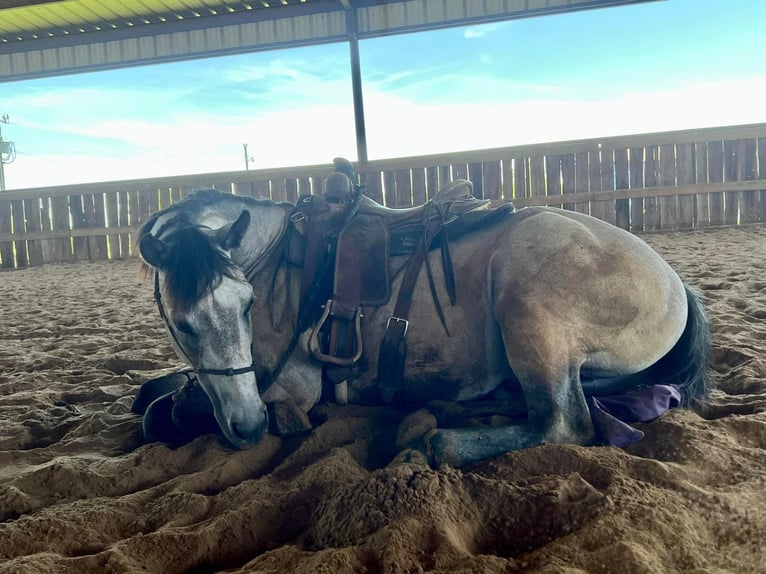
244, 432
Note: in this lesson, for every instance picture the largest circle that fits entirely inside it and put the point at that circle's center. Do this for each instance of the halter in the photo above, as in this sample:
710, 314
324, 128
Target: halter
228, 372
265, 382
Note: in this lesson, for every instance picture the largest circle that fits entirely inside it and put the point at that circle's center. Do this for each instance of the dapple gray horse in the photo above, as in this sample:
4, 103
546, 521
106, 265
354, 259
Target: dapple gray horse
563, 303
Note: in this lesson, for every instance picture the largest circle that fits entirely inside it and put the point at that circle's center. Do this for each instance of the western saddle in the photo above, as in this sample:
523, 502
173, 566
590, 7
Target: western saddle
346, 245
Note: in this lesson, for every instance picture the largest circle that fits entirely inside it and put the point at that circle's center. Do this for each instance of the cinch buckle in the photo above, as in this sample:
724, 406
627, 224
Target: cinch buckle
398, 320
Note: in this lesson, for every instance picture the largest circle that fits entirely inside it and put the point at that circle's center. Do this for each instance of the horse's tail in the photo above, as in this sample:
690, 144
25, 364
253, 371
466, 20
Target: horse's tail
686, 365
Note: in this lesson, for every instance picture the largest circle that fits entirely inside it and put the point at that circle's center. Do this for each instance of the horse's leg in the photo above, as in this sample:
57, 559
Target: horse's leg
556, 407
286, 419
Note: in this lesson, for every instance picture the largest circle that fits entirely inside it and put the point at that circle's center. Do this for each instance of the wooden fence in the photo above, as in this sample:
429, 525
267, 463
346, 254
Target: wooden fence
649, 182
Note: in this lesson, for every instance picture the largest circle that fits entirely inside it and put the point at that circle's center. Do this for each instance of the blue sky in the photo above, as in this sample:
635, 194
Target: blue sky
657, 66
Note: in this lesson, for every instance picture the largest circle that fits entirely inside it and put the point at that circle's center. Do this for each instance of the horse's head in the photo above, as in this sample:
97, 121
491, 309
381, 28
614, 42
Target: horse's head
205, 300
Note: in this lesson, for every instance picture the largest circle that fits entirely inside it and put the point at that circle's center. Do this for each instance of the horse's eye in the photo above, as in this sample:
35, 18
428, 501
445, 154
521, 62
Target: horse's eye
184, 327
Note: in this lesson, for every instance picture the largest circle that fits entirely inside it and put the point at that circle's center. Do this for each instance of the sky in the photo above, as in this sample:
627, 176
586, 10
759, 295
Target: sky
657, 66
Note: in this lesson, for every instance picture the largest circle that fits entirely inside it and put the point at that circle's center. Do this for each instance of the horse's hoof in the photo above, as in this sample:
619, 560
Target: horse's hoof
414, 427
412, 457
287, 419
442, 449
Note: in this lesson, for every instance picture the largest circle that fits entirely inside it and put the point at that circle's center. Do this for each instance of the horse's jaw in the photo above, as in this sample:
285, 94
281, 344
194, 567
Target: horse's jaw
238, 409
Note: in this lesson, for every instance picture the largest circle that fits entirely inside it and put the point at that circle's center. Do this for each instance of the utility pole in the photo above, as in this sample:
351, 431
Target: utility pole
248, 159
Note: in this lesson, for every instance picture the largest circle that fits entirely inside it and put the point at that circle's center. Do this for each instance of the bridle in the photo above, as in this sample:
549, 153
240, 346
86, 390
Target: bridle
227, 372
265, 382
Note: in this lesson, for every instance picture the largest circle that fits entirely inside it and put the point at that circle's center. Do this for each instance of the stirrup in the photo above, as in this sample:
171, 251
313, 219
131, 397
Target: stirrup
316, 348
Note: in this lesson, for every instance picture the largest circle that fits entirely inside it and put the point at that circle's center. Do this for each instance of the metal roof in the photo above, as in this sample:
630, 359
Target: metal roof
50, 37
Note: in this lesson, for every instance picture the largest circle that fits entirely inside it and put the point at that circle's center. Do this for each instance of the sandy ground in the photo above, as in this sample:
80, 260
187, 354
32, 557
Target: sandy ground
80, 493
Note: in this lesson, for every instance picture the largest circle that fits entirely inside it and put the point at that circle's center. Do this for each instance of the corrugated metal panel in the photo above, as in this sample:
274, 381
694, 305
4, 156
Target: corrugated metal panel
84, 35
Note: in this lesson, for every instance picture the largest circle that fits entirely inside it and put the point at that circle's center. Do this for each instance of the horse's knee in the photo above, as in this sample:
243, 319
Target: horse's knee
155, 388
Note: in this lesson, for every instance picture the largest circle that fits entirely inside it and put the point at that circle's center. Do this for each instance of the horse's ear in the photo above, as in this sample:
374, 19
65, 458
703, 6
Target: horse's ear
230, 236
153, 251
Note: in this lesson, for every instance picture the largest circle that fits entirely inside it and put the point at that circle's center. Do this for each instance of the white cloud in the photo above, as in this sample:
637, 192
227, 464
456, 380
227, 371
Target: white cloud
473, 32
397, 125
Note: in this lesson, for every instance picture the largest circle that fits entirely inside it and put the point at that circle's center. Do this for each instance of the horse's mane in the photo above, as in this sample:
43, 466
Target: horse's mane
193, 264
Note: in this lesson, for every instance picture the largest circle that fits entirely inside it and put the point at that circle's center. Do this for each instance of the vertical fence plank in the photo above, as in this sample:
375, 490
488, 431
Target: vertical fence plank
19, 229
493, 188
123, 221
432, 181
594, 183
291, 189
98, 245
684, 176
77, 211
536, 176
445, 175
111, 209
582, 183
622, 181
402, 188
304, 186
47, 245
520, 179
730, 173
636, 181
389, 189
553, 177
715, 175
374, 186
34, 225
651, 210
419, 191
762, 175
278, 189
568, 178
62, 247
701, 200
667, 170
607, 184
476, 176
459, 171
748, 170
6, 247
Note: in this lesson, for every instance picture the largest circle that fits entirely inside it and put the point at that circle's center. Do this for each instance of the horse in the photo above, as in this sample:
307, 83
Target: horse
562, 304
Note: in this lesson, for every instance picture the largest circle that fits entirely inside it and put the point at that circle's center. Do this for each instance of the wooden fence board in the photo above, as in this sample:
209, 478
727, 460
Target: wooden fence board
402, 188
45, 221
607, 184
715, 175
476, 176
730, 173
98, 245
432, 181
111, 209
374, 186
651, 177
748, 170
553, 177
597, 208
6, 247
567, 164
536, 176
419, 190
304, 186
460, 170
78, 221
636, 181
762, 175
668, 206
445, 175
122, 221
582, 183
685, 175
291, 189
19, 229
622, 181
389, 189
491, 176
520, 179
702, 203
278, 190
34, 247
62, 248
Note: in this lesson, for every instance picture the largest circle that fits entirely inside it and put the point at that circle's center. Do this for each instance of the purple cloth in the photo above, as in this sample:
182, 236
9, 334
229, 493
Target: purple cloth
611, 414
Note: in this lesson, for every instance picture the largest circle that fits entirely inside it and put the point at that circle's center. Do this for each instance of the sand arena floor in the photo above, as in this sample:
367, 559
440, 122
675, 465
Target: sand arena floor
80, 493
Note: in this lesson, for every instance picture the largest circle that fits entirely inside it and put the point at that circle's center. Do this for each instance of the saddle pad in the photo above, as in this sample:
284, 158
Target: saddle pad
361, 263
